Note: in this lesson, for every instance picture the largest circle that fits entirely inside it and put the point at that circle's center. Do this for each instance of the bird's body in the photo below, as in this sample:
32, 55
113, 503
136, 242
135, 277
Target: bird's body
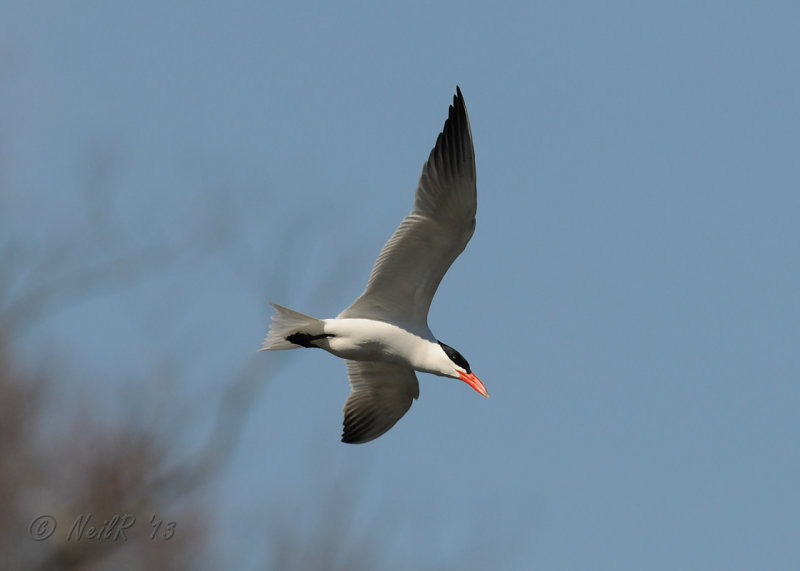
371, 340
384, 335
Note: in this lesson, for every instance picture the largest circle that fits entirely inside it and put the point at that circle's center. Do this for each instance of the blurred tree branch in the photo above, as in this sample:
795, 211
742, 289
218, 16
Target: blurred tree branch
93, 467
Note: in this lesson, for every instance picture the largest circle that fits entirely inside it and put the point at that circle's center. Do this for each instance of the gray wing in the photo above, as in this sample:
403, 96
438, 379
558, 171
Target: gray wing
414, 260
381, 393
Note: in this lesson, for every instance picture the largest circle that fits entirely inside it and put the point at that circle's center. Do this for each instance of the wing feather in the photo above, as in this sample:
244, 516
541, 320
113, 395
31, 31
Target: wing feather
413, 262
381, 393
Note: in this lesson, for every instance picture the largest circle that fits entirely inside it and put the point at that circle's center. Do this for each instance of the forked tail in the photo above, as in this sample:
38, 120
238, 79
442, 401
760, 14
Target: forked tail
288, 322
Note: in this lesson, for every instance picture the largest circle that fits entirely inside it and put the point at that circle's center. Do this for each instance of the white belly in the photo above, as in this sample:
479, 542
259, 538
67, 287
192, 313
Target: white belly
368, 340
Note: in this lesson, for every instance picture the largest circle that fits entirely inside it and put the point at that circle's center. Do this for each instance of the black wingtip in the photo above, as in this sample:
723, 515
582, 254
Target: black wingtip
350, 436
458, 107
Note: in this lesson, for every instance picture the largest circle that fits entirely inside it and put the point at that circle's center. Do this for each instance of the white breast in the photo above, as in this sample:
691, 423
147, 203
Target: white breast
370, 340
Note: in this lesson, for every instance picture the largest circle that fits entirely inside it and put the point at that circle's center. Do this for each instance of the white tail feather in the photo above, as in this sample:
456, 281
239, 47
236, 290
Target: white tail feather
286, 322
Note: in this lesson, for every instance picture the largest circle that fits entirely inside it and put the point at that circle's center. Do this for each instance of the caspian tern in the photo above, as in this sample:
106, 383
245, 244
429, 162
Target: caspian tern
384, 336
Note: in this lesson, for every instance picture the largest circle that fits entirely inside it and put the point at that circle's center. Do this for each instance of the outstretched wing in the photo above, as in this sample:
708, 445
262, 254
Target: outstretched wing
414, 260
381, 393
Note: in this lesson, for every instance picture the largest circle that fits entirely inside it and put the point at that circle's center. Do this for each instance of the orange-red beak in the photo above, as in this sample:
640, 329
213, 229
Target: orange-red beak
474, 382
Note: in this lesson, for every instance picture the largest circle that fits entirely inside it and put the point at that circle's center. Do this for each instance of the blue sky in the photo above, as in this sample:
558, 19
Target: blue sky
629, 297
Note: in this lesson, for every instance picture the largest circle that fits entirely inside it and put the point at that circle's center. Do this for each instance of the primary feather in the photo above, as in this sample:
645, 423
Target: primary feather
413, 262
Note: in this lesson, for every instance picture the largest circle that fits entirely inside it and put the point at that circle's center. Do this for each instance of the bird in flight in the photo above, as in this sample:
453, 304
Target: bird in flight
384, 336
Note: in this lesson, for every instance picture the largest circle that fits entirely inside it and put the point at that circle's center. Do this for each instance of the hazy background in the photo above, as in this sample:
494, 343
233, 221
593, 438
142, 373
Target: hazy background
630, 297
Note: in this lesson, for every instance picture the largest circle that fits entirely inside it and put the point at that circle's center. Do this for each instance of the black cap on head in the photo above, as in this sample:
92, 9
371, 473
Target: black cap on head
456, 357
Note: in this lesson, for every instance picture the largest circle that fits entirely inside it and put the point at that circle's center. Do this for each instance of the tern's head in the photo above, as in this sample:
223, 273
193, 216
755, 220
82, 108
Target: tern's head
460, 370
